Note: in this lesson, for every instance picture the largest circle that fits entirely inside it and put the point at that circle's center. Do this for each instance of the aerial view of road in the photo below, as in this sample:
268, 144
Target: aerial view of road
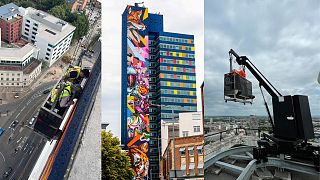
20, 145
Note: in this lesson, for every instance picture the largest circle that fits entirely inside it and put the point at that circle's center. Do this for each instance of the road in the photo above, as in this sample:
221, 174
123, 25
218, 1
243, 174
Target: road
22, 151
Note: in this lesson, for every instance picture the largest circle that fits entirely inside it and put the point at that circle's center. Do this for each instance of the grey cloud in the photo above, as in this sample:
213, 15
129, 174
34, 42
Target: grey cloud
279, 37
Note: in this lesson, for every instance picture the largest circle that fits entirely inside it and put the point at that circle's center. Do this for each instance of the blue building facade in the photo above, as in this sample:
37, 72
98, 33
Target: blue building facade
171, 80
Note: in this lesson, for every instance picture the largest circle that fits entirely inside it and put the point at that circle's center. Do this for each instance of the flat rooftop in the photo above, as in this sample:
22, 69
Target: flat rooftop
8, 10
50, 28
17, 54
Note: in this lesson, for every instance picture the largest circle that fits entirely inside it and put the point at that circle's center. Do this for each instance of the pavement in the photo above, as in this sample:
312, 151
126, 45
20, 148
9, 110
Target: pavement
87, 163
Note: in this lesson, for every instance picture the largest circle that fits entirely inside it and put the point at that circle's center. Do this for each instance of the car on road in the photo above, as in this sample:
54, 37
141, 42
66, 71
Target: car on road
14, 124
1, 131
8, 172
46, 91
32, 121
16, 95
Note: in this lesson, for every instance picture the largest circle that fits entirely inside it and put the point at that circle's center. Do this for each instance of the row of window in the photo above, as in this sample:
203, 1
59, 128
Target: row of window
177, 69
177, 47
176, 54
179, 108
18, 84
175, 61
178, 100
18, 74
12, 79
173, 39
178, 84
178, 92
191, 151
176, 76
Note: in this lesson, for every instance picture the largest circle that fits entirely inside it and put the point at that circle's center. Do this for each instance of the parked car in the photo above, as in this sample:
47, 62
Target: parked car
8, 172
16, 96
14, 124
1, 131
32, 121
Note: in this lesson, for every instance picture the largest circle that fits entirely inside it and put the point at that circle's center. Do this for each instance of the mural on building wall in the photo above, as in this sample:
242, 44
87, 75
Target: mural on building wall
138, 90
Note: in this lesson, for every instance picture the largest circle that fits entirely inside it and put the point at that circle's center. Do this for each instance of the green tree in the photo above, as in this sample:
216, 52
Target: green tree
81, 23
59, 11
115, 163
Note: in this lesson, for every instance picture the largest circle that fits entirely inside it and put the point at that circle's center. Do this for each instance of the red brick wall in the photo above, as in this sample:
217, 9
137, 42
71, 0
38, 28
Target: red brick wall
11, 30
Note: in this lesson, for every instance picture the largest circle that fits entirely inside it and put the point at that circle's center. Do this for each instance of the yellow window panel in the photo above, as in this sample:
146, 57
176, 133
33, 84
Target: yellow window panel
192, 48
174, 53
180, 61
191, 93
184, 77
193, 85
180, 54
174, 68
168, 83
175, 92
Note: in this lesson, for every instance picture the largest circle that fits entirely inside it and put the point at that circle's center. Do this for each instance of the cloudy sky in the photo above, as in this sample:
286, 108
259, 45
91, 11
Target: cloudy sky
185, 16
281, 38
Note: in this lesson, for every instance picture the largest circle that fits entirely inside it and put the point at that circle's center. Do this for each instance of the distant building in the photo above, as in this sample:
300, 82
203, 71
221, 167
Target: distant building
186, 161
190, 124
10, 23
77, 5
19, 66
52, 35
167, 132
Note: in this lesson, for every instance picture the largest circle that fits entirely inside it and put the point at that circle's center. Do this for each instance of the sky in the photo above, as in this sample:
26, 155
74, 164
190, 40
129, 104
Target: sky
185, 16
281, 38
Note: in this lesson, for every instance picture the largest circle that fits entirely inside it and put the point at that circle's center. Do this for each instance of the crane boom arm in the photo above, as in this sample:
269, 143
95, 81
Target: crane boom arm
243, 60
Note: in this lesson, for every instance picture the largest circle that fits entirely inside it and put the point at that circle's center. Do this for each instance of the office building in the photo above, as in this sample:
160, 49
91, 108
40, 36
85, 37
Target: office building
158, 82
10, 23
19, 66
50, 34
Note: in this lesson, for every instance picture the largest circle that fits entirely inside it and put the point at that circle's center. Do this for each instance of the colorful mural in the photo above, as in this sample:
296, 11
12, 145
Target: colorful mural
138, 90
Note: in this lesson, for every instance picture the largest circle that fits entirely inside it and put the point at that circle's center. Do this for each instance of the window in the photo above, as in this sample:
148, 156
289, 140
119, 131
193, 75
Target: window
199, 150
48, 49
26, 33
196, 128
47, 58
47, 54
191, 151
26, 29
27, 25
182, 151
184, 133
35, 24
35, 29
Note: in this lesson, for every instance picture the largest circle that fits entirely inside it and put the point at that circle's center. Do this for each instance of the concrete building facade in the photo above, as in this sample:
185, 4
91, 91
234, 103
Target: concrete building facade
190, 124
51, 35
19, 66
10, 23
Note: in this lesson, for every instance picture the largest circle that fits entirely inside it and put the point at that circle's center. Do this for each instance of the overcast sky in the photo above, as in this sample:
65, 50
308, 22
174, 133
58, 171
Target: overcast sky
185, 16
281, 38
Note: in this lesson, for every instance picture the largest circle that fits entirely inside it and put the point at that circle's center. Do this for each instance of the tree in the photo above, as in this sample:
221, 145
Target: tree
81, 23
115, 163
59, 11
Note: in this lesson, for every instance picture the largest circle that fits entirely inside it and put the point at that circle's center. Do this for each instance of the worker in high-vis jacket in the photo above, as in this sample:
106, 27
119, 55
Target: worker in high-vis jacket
54, 93
65, 99
75, 74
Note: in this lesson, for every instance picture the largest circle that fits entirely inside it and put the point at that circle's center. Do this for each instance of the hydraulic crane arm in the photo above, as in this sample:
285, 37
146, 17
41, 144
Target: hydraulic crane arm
243, 60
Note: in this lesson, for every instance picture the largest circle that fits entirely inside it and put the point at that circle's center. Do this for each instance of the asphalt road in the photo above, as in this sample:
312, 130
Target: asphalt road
22, 151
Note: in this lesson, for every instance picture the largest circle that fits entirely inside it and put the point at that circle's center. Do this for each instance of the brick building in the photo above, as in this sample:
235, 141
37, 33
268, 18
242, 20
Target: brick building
188, 158
10, 23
